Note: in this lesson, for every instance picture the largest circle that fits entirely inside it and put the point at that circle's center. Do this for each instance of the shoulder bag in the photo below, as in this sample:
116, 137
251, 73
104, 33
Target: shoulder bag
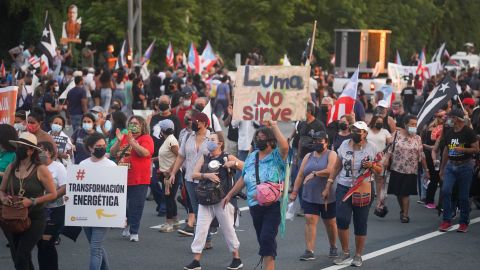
267, 192
209, 193
14, 217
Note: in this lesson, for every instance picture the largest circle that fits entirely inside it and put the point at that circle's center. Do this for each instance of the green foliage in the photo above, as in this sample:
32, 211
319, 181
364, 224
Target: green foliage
275, 26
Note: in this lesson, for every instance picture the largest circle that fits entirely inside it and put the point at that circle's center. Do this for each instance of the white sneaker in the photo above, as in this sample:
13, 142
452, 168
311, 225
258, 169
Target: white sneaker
126, 232
134, 238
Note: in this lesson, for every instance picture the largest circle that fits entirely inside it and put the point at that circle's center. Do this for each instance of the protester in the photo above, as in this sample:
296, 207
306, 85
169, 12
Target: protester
119, 121
95, 144
222, 97
185, 105
135, 150
77, 103
34, 123
343, 133
398, 113
167, 155
7, 150
313, 173
382, 111
119, 92
55, 210
106, 86
200, 104
79, 136
216, 167
139, 98
408, 96
62, 140
103, 125
50, 103
27, 178
269, 158
20, 124
354, 156
403, 163
457, 167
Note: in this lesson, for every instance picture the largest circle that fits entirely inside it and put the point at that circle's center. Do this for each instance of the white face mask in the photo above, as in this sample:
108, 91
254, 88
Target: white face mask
187, 102
57, 88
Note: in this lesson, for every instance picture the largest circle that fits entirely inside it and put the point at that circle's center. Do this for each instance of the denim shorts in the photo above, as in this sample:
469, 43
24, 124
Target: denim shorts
345, 211
266, 220
319, 209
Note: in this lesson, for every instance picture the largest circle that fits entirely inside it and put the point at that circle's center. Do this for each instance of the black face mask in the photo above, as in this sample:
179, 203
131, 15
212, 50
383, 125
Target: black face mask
21, 152
195, 127
342, 126
378, 125
356, 137
199, 107
261, 144
99, 152
317, 147
163, 106
324, 109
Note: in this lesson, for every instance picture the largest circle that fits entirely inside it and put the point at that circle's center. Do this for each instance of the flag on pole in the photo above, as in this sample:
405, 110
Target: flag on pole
346, 101
48, 45
44, 67
439, 53
388, 94
123, 56
170, 56
439, 96
422, 69
208, 58
3, 73
193, 60
306, 52
398, 60
184, 60
34, 61
148, 53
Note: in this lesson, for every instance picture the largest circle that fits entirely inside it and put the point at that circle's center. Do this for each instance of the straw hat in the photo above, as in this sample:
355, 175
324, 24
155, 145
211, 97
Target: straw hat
28, 139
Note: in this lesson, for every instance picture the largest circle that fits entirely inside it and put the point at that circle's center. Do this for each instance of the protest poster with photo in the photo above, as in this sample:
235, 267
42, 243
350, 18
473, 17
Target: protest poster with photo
61, 142
8, 102
96, 198
278, 93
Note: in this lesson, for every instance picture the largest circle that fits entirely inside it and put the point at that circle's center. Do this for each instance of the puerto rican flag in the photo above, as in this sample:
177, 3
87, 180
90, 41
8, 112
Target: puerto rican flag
208, 58
169, 59
34, 61
193, 60
422, 69
44, 64
346, 101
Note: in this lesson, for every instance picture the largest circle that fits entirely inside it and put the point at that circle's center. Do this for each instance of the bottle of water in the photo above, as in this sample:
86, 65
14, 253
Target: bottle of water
436, 163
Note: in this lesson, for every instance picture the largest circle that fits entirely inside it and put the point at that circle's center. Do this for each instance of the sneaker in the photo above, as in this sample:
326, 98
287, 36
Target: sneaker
236, 264
213, 230
463, 228
187, 230
357, 261
208, 245
421, 201
126, 232
300, 213
343, 259
430, 206
134, 238
333, 252
445, 226
166, 229
195, 265
307, 256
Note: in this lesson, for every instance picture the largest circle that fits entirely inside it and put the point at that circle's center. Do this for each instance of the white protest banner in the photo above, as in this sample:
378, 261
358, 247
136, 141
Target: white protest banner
96, 198
278, 93
397, 72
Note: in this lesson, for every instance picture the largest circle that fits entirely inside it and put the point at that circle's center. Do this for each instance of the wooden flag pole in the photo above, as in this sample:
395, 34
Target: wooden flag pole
313, 41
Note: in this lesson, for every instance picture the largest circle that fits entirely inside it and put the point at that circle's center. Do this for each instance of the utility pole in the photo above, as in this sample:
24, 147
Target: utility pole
135, 26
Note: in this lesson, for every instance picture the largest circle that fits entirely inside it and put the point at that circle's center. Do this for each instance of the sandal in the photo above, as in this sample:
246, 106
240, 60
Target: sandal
404, 219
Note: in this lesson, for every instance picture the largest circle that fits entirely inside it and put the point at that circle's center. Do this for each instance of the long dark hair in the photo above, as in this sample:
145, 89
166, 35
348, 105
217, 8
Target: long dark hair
119, 121
8, 133
35, 159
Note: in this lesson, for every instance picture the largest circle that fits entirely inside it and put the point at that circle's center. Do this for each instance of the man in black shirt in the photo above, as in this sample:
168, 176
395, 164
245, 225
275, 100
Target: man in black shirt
457, 168
408, 96
398, 113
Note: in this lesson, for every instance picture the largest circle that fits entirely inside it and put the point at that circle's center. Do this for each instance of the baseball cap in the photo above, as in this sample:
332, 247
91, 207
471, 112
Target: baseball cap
201, 117
361, 125
166, 124
97, 109
457, 113
383, 104
468, 101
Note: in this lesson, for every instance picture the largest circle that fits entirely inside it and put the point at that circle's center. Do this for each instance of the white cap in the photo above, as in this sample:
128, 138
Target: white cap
383, 103
77, 73
361, 125
88, 43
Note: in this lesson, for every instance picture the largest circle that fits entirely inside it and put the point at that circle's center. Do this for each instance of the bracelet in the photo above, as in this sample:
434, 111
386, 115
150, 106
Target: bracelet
34, 201
330, 180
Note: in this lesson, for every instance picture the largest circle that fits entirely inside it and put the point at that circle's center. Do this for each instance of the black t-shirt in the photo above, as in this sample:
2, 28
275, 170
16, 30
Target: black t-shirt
137, 102
304, 132
408, 94
232, 133
154, 121
155, 83
464, 138
74, 100
48, 98
176, 98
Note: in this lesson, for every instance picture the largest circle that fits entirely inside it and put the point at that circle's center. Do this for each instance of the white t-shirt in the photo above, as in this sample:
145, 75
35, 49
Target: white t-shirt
165, 155
105, 162
352, 161
379, 140
313, 84
59, 174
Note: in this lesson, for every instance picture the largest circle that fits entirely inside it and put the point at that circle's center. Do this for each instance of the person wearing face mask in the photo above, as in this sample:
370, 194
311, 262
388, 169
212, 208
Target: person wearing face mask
270, 155
34, 123
380, 138
200, 104
398, 113
313, 173
138, 95
29, 178
184, 106
7, 150
343, 132
405, 157
78, 137
388, 122
47, 253
50, 102
96, 146
217, 167
119, 121
135, 151
354, 156
191, 149
104, 126
20, 123
457, 168
62, 140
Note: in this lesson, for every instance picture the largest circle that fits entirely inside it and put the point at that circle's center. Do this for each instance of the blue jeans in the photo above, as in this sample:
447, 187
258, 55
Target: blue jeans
76, 121
98, 256
462, 175
157, 191
192, 195
135, 202
106, 97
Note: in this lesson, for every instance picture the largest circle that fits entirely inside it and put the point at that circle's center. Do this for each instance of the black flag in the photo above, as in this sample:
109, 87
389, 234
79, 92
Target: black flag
306, 52
439, 96
48, 45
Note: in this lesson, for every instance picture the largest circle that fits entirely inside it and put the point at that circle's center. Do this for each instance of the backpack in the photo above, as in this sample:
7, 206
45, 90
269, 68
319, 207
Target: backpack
209, 193
27, 101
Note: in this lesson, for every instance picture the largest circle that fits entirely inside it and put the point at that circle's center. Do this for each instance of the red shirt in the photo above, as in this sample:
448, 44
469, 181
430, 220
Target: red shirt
180, 112
139, 167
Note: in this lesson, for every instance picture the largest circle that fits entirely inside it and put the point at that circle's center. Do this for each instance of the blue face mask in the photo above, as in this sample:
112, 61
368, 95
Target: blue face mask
56, 128
87, 126
412, 130
212, 146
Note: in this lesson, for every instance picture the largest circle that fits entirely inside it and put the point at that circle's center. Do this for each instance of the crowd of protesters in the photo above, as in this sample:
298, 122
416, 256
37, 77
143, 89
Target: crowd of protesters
176, 148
